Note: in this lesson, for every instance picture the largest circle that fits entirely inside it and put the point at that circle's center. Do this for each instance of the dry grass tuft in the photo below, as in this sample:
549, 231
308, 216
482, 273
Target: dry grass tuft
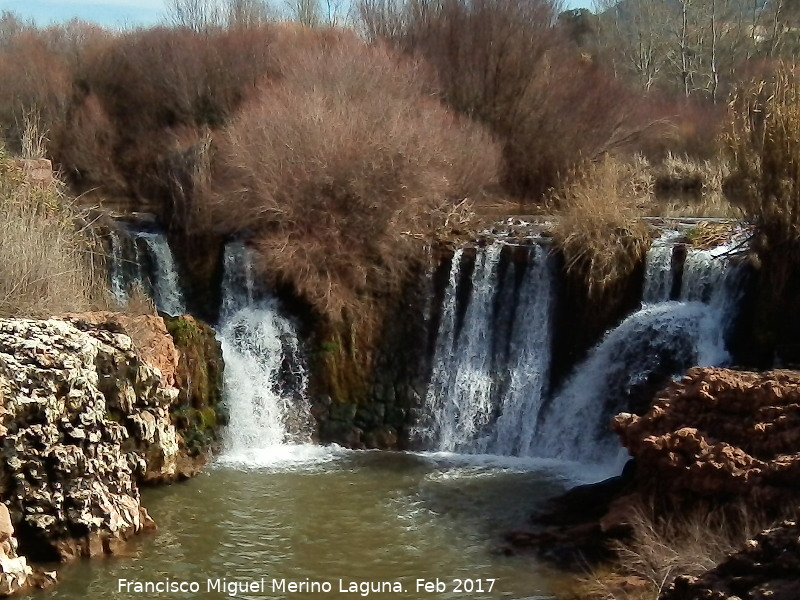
47, 266
661, 549
140, 303
763, 141
599, 228
705, 236
690, 187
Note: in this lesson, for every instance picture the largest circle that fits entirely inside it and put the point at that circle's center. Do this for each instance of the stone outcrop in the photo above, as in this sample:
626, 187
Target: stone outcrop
15, 574
86, 415
720, 435
767, 568
39, 171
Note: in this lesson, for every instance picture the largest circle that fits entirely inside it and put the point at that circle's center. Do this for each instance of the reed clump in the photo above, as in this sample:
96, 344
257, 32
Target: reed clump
599, 228
49, 264
661, 548
763, 142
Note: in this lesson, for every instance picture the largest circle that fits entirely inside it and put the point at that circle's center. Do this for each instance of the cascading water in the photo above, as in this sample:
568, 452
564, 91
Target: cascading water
238, 283
661, 340
489, 387
487, 378
265, 381
119, 281
659, 274
464, 377
529, 360
166, 282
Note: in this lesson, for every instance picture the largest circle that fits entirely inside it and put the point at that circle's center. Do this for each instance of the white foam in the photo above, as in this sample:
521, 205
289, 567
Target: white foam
281, 457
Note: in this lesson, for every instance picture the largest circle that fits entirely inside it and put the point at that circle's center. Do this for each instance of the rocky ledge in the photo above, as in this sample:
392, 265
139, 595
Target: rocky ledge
87, 407
720, 435
716, 439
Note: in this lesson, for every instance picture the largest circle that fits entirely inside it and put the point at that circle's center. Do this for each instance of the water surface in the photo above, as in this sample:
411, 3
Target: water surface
331, 516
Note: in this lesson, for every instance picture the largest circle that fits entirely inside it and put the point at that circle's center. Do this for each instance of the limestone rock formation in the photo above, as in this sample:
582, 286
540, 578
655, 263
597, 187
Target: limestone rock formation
72, 402
15, 574
720, 434
767, 568
86, 414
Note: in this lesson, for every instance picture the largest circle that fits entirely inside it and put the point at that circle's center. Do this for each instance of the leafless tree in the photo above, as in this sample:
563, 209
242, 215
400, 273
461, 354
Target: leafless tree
199, 15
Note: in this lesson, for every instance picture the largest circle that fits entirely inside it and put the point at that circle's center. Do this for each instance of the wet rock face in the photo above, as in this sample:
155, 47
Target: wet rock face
720, 434
83, 419
767, 568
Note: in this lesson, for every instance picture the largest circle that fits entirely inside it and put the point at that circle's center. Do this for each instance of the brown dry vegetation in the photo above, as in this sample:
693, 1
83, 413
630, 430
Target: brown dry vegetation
663, 548
599, 229
46, 265
505, 64
329, 167
763, 142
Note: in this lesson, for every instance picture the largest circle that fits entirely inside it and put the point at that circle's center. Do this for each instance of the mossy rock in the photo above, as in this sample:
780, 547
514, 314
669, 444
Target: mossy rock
199, 411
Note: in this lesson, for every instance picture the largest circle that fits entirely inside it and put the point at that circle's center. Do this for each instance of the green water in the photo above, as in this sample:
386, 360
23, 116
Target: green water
339, 519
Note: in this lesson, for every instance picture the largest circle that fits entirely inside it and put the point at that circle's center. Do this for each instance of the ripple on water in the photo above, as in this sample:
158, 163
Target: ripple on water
359, 516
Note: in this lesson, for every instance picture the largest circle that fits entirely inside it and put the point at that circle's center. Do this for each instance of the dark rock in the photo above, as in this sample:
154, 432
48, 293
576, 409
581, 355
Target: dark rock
768, 567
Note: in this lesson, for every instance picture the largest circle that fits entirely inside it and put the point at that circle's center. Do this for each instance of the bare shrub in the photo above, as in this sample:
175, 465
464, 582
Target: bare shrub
36, 81
46, 265
662, 548
330, 166
142, 89
85, 145
504, 63
599, 228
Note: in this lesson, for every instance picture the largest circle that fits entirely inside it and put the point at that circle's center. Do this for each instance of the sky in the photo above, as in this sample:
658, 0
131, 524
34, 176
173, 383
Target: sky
114, 13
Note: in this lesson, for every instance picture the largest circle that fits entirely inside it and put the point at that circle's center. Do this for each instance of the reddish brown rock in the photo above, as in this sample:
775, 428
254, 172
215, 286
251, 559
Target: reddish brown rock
149, 335
720, 434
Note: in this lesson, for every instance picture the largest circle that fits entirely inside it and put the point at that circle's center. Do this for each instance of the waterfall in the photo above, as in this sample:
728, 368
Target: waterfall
659, 275
166, 282
265, 381
116, 270
529, 361
238, 283
488, 380
659, 340
462, 368
489, 389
